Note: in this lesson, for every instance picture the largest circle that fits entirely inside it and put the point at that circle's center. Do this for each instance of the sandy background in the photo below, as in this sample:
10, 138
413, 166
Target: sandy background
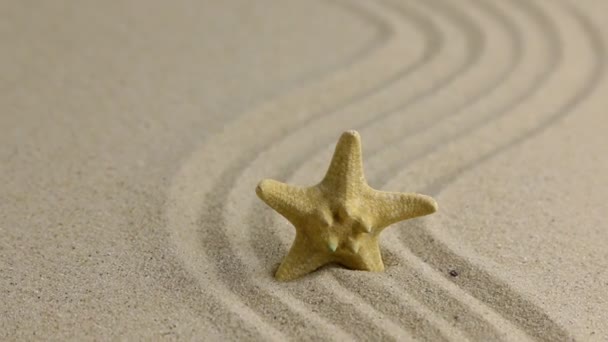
132, 135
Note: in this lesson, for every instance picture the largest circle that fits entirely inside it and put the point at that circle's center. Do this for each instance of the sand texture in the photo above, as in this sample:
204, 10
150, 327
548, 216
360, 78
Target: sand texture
133, 135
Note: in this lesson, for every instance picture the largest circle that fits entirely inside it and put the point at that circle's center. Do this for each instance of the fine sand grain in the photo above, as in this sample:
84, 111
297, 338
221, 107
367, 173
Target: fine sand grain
133, 134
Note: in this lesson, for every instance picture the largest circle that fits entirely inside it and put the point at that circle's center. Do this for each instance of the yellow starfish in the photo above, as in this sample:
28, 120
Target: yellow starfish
340, 219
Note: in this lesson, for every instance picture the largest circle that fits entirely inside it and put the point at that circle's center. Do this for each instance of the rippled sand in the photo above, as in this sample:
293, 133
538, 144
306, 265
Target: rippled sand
132, 135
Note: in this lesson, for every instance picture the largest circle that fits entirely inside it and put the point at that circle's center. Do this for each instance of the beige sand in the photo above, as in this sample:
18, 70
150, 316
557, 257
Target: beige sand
132, 134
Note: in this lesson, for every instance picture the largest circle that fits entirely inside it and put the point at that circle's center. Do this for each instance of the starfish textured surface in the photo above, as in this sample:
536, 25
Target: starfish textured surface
340, 219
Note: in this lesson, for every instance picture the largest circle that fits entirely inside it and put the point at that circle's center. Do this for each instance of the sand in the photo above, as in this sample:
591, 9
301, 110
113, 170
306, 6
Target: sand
133, 134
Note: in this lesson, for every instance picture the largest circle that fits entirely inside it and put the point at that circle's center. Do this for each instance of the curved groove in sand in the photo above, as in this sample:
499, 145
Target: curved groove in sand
455, 309
183, 215
178, 214
359, 320
539, 80
425, 243
539, 319
444, 327
452, 334
252, 217
539, 324
478, 116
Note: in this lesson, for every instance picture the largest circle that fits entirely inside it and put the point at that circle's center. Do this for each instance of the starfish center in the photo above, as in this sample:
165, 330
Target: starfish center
344, 232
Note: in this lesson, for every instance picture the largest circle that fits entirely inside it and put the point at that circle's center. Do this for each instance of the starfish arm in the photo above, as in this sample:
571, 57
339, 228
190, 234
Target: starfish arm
301, 260
292, 202
345, 171
392, 207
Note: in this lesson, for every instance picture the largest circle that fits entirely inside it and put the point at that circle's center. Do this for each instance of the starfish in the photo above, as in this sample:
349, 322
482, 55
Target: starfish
340, 219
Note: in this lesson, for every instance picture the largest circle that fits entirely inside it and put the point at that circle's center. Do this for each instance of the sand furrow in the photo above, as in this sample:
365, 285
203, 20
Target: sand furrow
470, 121
460, 122
256, 166
540, 322
330, 302
308, 169
494, 100
537, 81
184, 227
478, 282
